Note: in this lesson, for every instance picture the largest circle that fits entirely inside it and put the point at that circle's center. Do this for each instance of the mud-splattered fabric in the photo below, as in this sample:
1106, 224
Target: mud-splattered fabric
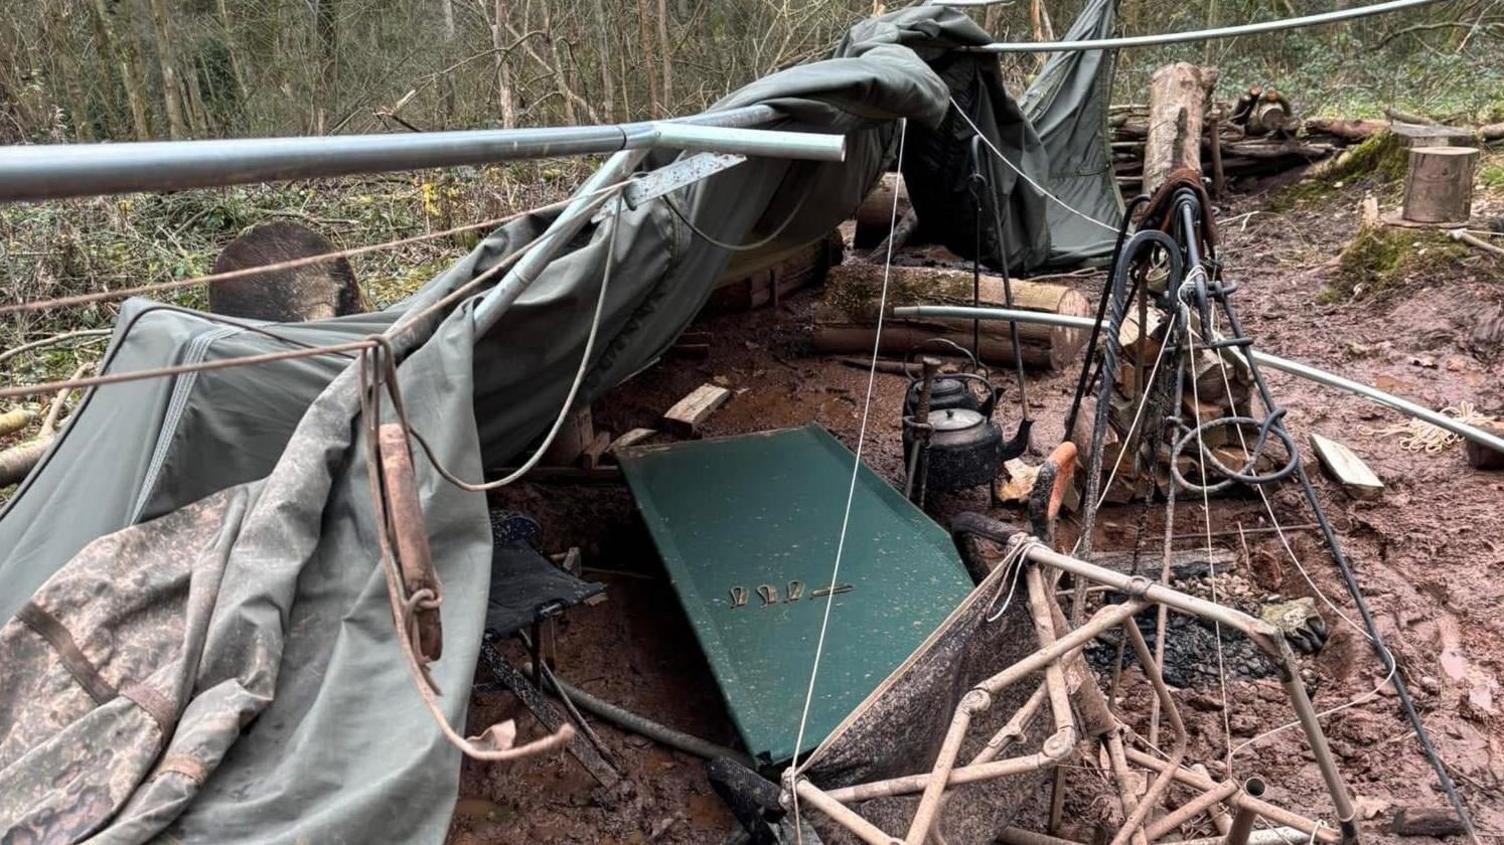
898, 730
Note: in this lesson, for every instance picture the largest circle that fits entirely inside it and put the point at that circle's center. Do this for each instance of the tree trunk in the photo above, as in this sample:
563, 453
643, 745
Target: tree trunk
506, 97
561, 82
166, 60
608, 86
237, 67
1177, 105
645, 42
847, 314
106, 54
326, 25
121, 54
668, 63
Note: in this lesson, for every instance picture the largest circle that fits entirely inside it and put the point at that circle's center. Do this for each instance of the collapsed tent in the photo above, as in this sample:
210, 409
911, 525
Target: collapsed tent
198, 641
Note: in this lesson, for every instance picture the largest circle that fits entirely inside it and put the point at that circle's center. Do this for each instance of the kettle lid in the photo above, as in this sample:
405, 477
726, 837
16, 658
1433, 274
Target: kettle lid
955, 419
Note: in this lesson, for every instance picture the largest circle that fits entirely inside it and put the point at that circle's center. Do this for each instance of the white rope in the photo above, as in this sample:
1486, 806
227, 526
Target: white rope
1015, 560
1279, 530
1364, 699
856, 466
1024, 176
1284, 540
1206, 503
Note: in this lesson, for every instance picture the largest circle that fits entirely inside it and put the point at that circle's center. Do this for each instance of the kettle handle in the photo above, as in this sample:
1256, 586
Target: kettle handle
908, 358
993, 393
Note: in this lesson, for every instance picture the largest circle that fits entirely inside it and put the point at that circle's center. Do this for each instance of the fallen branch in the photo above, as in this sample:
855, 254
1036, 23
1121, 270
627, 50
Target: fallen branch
48, 341
13, 421
1410, 117
17, 461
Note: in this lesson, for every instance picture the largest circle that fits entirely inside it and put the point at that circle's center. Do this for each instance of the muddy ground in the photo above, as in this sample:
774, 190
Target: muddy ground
1427, 553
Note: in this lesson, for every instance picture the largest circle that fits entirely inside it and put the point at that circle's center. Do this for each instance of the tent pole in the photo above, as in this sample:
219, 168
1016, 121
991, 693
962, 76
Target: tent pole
1264, 359
569, 222
56, 171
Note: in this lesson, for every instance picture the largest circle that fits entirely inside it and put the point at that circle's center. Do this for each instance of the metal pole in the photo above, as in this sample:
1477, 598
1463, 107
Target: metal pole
55, 171
1242, 820
1296, 368
1195, 35
566, 226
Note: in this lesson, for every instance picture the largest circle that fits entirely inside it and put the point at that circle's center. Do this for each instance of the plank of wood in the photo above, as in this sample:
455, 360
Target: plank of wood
1346, 468
631, 438
687, 414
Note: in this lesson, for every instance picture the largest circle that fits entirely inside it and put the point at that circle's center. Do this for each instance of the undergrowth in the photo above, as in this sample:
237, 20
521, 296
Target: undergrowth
58, 249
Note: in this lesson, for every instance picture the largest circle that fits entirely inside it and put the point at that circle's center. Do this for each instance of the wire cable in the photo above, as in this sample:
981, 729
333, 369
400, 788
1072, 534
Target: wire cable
856, 466
1195, 35
1024, 176
748, 247
564, 408
291, 264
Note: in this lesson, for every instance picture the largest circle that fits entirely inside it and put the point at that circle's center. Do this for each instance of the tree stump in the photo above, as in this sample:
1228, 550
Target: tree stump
1177, 106
1439, 185
314, 291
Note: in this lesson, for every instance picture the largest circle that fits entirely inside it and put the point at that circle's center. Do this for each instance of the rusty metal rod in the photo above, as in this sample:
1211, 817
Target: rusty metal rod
1261, 633
1017, 836
1190, 810
1273, 836
1013, 731
1242, 820
839, 813
1054, 674
1055, 749
1273, 813
1177, 754
972, 703
1106, 617
1219, 815
1124, 776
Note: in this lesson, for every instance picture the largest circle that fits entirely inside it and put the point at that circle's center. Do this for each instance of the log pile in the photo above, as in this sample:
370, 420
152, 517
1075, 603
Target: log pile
1251, 149
1141, 465
1242, 156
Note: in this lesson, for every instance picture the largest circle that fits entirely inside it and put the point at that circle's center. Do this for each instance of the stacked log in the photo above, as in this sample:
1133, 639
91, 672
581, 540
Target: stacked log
1140, 465
1242, 156
846, 316
874, 217
754, 280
